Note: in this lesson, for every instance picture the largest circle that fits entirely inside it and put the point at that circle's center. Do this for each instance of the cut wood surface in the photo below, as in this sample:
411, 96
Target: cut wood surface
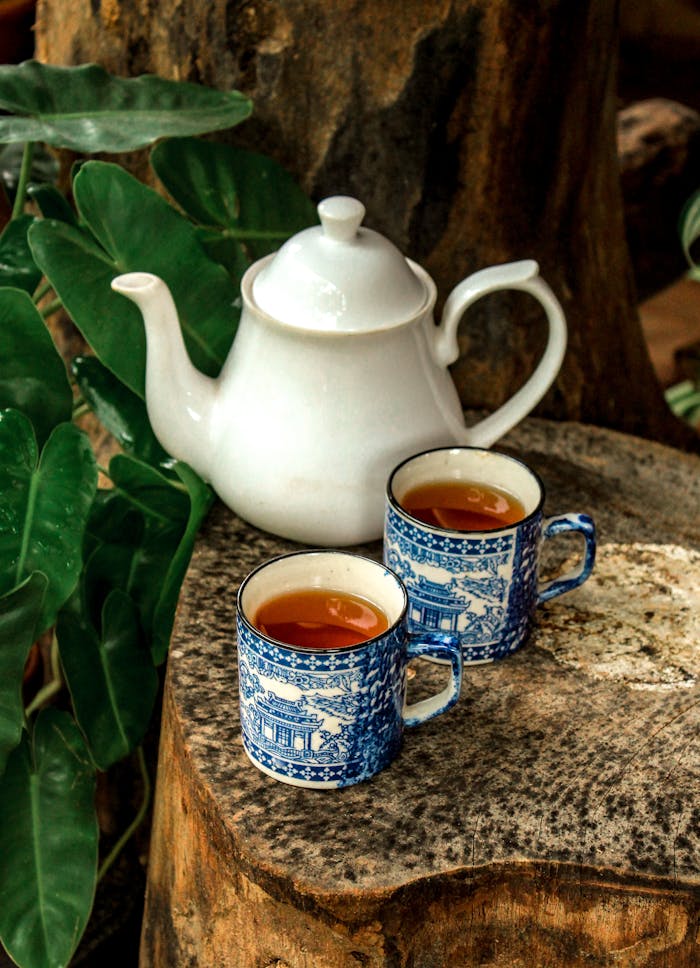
552, 818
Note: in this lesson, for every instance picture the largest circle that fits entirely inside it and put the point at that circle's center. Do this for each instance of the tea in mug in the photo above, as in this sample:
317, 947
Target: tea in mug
320, 618
463, 505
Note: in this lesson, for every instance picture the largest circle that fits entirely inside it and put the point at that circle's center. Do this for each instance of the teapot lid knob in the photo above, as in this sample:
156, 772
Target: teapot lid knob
341, 217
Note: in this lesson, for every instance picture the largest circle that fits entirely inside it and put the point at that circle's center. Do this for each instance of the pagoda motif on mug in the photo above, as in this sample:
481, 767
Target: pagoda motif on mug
477, 587
284, 727
433, 606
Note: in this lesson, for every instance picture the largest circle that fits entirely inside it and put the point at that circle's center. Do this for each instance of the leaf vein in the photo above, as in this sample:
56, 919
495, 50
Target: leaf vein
40, 887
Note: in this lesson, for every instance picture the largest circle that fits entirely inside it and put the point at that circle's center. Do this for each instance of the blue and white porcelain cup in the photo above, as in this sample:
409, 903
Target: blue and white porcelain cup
326, 718
480, 585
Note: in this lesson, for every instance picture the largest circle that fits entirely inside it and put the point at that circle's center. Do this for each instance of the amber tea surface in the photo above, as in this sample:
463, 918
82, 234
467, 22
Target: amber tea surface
463, 505
318, 618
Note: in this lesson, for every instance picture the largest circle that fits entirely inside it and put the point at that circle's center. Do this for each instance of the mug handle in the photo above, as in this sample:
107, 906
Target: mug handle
557, 524
435, 645
522, 275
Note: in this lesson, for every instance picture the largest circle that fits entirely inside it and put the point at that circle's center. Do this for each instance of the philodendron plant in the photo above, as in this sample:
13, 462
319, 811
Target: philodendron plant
98, 569
684, 397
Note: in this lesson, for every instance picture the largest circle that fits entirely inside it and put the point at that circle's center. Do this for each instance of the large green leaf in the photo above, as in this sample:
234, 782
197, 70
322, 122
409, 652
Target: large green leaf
113, 521
19, 615
148, 562
122, 412
228, 252
86, 109
33, 377
45, 506
17, 266
248, 196
134, 229
201, 498
48, 844
110, 675
134, 531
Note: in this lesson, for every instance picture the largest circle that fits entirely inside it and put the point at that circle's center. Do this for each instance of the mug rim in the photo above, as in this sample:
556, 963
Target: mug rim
396, 505
306, 650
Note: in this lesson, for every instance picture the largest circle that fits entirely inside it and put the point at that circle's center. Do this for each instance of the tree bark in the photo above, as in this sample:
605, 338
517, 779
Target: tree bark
474, 132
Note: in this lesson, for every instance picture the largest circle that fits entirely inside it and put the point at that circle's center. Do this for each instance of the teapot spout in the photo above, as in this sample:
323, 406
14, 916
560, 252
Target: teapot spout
179, 398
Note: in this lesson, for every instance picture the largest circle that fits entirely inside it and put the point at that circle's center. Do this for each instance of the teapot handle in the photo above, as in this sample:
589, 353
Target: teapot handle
513, 275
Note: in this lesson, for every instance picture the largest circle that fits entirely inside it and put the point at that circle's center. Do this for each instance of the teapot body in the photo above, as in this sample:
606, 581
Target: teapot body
338, 372
307, 425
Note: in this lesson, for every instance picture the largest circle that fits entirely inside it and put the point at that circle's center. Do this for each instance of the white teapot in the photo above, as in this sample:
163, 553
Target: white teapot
337, 373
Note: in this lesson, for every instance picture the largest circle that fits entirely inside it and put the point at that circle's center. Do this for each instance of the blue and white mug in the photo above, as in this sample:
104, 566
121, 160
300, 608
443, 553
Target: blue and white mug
326, 718
480, 585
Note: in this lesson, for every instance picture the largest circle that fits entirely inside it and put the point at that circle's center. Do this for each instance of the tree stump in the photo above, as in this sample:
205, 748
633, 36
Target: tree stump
474, 132
551, 818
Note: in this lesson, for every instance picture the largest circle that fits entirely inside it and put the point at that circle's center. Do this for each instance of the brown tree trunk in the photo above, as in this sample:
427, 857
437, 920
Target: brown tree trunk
475, 132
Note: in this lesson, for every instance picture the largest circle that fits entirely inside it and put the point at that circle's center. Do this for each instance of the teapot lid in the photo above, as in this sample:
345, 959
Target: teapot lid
339, 276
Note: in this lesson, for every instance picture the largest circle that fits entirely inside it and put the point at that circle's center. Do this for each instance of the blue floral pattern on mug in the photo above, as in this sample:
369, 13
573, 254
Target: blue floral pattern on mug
481, 585
336, 716
480, 588
334, 722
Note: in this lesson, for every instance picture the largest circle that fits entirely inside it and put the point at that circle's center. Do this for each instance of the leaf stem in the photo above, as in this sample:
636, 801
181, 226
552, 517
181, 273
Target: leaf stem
45, 693
55, 658
43, 289
80, 408
24, 173
50, 308
135, 823
246, 234
52, 687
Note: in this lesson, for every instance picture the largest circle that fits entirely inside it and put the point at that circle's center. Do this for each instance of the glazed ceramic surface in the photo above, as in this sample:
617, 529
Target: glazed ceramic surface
482, 586
337, 373
332, 717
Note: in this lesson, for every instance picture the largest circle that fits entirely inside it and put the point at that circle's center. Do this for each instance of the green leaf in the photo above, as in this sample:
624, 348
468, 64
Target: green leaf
110, 675
17, 265
19, 615
122, 412
134, 229
148, 490
33, 377
113, 521
48, 844
148, 559
44, 167
690, 226
247, 195
130, 554
228, 252
52, 204
201, 499
44, 507
172, 520
86, 109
